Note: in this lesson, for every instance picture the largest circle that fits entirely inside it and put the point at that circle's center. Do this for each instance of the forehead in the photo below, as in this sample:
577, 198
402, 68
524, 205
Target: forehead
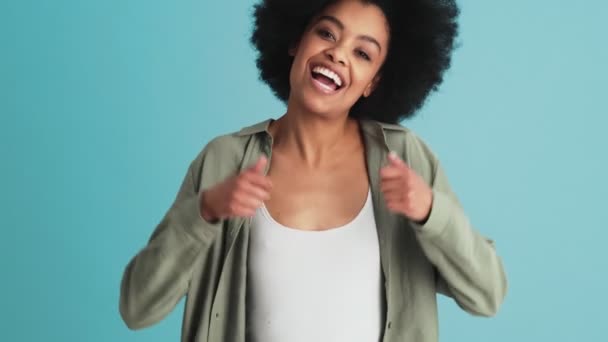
360, 18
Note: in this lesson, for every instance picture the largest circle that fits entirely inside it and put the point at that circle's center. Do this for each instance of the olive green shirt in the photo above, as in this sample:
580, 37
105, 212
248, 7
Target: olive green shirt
207, 261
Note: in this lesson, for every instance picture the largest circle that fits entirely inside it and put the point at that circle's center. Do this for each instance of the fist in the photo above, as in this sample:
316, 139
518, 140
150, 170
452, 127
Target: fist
238, 195
404, 191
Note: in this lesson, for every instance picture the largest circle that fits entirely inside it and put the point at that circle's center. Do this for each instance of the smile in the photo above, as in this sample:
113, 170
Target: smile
326, 80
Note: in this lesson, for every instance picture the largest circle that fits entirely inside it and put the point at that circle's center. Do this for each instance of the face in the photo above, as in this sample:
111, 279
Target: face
338, 57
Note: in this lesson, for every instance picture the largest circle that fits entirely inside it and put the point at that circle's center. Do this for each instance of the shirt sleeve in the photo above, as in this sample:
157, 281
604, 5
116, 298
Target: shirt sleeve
468, 267
157, 277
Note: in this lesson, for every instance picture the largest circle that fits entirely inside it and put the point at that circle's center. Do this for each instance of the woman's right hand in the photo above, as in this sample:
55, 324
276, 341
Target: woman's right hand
238, 195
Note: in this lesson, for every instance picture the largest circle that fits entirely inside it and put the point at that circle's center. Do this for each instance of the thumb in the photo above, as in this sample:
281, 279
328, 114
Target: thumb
260, 165
394, 159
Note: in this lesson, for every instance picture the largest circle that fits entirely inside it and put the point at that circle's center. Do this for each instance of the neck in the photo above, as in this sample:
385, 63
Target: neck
312, 138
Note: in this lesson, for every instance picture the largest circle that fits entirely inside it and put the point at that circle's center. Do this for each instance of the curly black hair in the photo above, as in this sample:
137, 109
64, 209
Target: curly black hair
422, 34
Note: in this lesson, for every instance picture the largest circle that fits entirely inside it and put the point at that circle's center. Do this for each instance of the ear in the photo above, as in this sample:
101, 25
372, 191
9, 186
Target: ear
371, 86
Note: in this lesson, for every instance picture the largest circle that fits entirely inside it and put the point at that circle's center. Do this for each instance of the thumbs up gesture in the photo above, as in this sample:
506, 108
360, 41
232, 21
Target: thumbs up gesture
404, 191
238, 195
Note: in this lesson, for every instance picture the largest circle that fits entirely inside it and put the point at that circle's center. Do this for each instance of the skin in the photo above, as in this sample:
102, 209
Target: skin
316, 143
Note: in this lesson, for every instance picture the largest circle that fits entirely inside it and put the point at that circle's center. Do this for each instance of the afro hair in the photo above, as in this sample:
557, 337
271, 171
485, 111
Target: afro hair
422, 34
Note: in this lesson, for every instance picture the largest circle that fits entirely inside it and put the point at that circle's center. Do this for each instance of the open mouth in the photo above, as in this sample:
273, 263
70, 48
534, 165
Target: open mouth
326, 79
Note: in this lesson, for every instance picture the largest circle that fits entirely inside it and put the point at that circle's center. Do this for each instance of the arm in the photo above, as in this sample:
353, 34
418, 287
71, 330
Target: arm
158, 276
468, 268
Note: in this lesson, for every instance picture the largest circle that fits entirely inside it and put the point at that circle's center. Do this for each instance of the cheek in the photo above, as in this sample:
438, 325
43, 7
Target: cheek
363, 75
360, 81
299, 60
297, 70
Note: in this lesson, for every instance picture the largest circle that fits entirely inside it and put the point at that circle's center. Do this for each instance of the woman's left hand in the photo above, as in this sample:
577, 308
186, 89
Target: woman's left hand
404, 191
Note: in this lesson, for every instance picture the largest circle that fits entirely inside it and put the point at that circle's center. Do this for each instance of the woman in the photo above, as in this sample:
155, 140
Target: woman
306, 228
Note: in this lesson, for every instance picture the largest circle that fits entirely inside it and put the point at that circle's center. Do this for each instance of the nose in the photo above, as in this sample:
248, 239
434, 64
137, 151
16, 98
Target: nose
336, 55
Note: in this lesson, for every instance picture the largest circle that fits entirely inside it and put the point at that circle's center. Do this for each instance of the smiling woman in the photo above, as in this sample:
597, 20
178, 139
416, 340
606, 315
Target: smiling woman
340, 54
332, 222
419, 34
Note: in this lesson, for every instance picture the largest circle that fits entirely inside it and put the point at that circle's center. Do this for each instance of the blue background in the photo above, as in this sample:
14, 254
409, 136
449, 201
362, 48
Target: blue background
104, 103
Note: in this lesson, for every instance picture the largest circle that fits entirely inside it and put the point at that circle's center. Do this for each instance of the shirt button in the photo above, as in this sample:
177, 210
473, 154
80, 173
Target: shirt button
389, 324
217, 315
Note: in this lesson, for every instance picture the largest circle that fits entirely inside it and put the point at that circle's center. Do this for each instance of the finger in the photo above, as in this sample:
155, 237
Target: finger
242, 211
393, 184
393, 205
396, 161
256, 191
398, 196
394, 194
247, 201
390, 172
393, 197
258, 180
260, 165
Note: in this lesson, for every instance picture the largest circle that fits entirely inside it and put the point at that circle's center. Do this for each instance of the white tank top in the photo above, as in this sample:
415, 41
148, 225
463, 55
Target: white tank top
308, 286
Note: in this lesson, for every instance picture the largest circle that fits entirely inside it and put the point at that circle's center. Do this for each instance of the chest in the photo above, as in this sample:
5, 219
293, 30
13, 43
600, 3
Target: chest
317, 199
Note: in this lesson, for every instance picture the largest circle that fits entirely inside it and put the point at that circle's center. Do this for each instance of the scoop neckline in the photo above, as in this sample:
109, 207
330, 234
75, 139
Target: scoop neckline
342, 227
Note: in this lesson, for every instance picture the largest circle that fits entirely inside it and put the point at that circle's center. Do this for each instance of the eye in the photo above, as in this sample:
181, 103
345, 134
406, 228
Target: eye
325, 34
363, 55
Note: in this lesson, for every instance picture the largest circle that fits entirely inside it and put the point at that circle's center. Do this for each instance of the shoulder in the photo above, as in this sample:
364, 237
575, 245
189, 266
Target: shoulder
389, 127
225, 144
399, 134
413, 149
234, 142
405, 139
227, 151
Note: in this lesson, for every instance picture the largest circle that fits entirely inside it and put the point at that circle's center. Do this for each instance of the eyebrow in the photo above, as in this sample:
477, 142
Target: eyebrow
341, 26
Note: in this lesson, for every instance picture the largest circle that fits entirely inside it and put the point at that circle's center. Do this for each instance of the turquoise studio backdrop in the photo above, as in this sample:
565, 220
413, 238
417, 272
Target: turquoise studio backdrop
104, 104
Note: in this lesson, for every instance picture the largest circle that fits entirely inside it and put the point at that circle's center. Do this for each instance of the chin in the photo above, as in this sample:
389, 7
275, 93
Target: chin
315, 104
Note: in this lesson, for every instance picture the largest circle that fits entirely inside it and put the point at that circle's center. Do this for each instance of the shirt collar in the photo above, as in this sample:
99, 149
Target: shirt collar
373, 128
259, 127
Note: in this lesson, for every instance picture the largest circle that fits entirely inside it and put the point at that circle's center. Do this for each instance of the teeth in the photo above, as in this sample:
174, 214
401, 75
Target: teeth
326, 72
